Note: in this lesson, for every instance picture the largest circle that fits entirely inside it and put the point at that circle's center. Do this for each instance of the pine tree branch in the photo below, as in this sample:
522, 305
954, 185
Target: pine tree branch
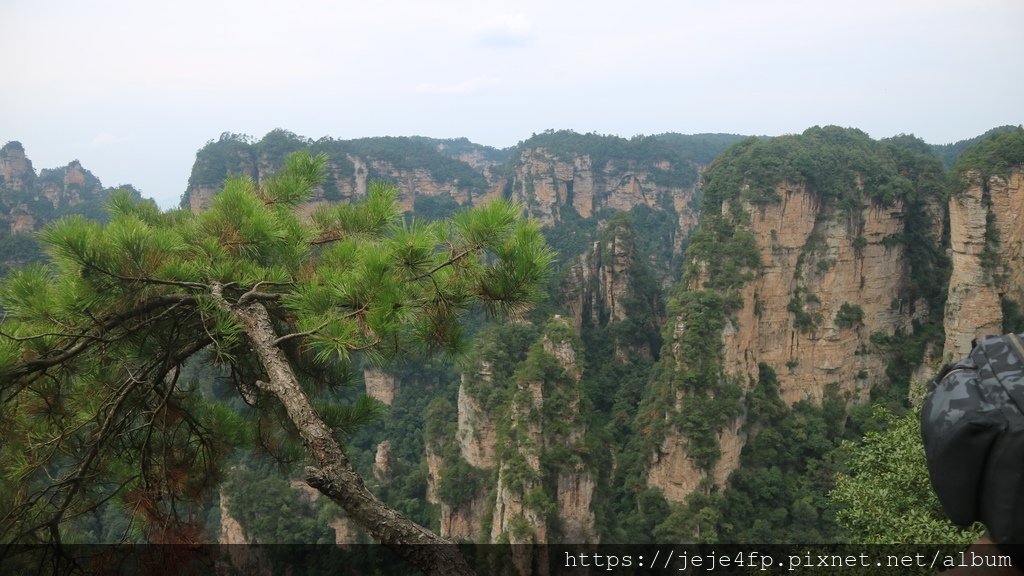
448, 262
326, 238
334, 475
255, 294
294, 335
73, 482
83, 342
146, 279
43, 335
291, 336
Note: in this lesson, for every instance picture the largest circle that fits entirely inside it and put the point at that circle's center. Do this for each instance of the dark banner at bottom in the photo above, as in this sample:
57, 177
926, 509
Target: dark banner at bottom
501, 560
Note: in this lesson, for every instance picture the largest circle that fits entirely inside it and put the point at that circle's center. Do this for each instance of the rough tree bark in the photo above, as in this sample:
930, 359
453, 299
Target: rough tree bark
333, 474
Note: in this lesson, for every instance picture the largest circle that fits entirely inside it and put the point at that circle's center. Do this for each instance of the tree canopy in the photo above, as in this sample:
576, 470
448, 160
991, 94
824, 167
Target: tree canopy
887, 497
92, 346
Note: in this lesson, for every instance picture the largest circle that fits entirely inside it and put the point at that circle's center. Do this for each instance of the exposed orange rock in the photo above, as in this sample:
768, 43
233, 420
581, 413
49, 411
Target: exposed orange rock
380, 385
547, 184
477, 434
973, 305
383, 462
230, 530
15, 168
827, 259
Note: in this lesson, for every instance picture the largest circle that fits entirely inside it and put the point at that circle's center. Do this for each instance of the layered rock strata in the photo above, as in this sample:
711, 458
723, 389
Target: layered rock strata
828, 280
987, 247
515, 506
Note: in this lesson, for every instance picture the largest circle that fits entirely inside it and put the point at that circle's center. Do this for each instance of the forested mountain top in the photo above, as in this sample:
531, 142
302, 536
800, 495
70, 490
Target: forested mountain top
237, 153
698, 148
950, 153
837, 164
474, 169
570, 182
471, 166
993, 155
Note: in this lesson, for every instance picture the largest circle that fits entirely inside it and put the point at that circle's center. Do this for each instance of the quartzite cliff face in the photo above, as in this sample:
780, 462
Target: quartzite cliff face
826, 260
541, 441
550, 184
986, 221
560, 178
27, 200
418, 167
612, 283
824, 282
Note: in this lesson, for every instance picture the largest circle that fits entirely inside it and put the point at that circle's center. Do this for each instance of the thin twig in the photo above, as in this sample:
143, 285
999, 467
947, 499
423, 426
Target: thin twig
294, 335
448, 262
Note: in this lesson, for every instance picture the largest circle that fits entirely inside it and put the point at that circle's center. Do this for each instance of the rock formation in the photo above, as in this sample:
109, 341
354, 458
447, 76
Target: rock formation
477, 433
16, 172
380, 385
827, 261
383, 463
541, 442
612, 283
811, 284
986, 222
418, 167
549, 184
231, 531
598, 283
28, 200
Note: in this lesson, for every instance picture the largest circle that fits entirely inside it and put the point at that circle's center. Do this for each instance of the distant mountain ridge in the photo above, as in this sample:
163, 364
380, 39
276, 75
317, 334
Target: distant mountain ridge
570, 182
29, 200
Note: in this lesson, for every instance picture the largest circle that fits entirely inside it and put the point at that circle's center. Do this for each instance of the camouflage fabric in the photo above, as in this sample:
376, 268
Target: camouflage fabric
973, 430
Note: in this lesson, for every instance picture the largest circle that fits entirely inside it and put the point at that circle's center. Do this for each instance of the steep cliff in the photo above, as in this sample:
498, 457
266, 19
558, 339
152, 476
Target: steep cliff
570, 182
526, 477
612, 284
811, 260
545, 442
231, 531
380, 385
986, 217
567, 179
27, 200
16, 169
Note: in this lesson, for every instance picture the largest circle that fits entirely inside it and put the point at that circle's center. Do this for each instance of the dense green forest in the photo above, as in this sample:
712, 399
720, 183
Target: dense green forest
806, 469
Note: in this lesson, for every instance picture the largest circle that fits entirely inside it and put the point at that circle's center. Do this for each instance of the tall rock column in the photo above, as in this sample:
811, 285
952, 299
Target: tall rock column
986, 223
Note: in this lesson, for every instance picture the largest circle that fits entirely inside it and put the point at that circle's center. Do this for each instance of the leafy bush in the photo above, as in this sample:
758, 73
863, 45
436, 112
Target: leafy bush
849, 315
886, 497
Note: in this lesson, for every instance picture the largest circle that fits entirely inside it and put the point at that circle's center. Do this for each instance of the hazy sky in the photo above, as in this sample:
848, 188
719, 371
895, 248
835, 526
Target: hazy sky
134, 88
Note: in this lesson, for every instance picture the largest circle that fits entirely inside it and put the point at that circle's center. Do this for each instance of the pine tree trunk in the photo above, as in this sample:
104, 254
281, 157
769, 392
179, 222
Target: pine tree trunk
333, 474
